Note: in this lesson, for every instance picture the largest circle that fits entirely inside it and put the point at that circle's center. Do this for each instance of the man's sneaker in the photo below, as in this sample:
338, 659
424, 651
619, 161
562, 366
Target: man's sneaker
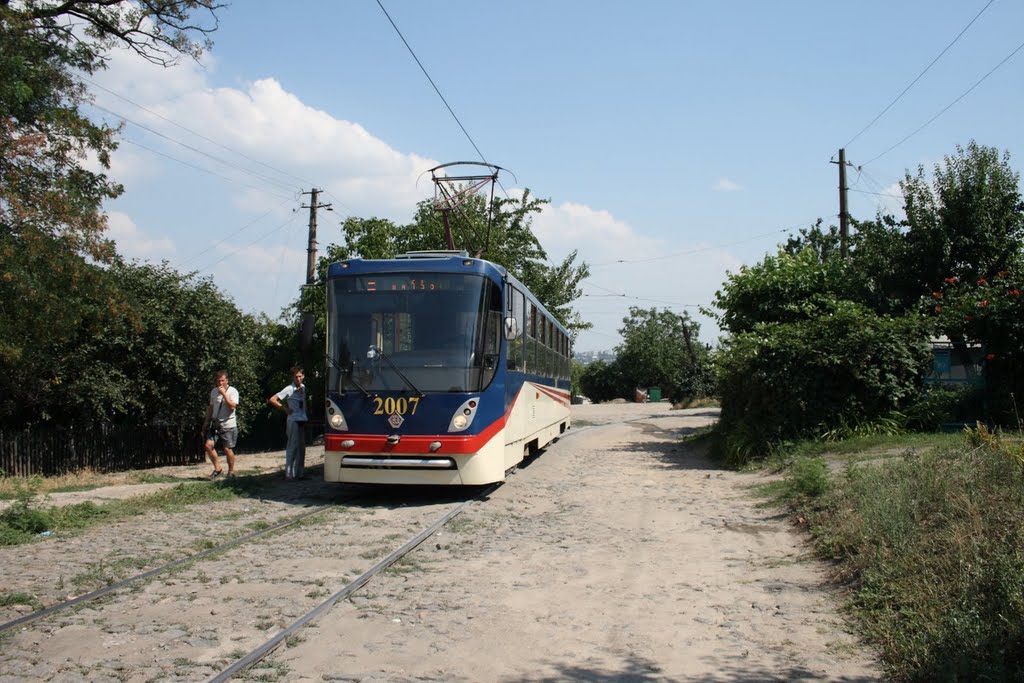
216, 474
231, 475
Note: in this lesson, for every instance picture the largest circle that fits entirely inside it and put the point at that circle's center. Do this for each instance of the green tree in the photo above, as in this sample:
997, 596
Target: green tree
601, 381
662, 349
968, 223
53, 286
830, 372
786, 287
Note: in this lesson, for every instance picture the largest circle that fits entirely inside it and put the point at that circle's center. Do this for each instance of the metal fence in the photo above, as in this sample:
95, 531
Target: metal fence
51, 451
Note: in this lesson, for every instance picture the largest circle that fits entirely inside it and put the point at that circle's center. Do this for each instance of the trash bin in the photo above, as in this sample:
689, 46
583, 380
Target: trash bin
654, 394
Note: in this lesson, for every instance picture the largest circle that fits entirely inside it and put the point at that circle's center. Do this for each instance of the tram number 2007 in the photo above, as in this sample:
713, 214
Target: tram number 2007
392, 405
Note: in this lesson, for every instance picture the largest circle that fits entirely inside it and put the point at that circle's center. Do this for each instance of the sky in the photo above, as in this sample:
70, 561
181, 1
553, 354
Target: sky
677, 141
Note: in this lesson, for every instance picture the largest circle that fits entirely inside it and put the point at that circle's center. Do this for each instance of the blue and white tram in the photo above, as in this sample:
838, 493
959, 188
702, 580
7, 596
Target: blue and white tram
442, 369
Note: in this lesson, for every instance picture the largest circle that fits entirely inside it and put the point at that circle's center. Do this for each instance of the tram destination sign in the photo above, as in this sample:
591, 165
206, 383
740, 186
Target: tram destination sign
407, 283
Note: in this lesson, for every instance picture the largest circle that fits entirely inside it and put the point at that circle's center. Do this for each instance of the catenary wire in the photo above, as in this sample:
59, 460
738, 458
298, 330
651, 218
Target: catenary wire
255, 241
199, 135
950, 105
436, 89
221, 241
913, 82
267, 179
204, 170
694, 251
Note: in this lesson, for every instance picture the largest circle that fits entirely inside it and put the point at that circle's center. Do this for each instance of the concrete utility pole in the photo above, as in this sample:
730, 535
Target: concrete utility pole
306, 333
311, 249
844, 216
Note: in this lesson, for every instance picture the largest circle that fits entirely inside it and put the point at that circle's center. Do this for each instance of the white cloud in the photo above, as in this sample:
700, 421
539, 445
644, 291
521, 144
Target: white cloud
726, 185
134, 243
630, 269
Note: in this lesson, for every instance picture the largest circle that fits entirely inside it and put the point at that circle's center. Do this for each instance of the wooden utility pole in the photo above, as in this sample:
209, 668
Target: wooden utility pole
306, 334
844, 216
311, 248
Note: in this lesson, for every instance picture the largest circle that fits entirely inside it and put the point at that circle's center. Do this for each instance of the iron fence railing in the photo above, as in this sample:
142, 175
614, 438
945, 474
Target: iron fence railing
49, 451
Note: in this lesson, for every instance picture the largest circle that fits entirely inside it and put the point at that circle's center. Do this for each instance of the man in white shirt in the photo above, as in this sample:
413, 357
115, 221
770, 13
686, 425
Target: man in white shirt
294, 397
220, 427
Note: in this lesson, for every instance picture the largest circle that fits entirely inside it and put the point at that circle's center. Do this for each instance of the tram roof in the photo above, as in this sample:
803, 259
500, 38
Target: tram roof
419, 262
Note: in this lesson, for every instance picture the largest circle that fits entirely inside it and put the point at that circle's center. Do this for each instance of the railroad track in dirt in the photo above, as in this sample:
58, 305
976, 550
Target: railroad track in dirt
175, 621
156, 571
264, 649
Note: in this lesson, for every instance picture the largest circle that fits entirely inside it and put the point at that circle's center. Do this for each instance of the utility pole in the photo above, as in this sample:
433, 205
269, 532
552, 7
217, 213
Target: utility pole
311, 248
844, 216
306, 334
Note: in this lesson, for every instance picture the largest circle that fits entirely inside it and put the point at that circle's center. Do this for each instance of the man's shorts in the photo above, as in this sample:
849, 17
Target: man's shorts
224, 437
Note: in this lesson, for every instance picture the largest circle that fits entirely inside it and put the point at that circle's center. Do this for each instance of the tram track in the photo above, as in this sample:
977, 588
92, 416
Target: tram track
111, 588
185, 618
263, 650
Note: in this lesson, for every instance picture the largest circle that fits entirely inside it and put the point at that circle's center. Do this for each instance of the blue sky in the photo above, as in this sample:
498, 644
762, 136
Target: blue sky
677, 141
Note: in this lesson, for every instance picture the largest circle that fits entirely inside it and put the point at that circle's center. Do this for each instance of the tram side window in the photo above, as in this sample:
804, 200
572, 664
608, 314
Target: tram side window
493, 332
531, 339
516, 356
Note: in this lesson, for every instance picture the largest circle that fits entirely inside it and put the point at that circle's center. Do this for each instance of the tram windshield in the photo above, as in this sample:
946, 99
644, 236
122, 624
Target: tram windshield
413, 332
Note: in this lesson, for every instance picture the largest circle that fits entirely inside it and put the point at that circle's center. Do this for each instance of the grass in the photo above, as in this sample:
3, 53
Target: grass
28, 517
928, 534
81, 480
32, 601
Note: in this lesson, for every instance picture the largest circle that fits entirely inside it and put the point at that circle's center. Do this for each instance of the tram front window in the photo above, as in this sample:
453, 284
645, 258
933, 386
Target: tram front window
431, 327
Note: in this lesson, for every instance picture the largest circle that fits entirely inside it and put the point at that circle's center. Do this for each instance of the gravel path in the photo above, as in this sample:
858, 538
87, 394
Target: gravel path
616, 555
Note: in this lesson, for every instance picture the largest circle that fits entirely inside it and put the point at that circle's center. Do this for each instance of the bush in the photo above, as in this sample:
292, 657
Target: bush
801, 379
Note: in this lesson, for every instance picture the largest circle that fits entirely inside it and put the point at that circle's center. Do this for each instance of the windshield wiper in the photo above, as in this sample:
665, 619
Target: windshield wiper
372, 353
351, 375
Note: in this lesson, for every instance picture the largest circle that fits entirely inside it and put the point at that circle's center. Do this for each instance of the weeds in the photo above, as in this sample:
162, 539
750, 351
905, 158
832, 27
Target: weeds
931, 542
32, 601
27, 518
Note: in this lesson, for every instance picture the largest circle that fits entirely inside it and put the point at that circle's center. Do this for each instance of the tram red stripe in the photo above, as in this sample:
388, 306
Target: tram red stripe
415, 444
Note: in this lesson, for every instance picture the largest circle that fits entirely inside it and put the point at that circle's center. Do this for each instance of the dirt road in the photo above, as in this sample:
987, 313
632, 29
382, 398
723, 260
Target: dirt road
617, 555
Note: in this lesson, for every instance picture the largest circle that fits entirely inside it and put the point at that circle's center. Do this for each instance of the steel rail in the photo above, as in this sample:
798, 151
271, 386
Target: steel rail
266, 648
67, 604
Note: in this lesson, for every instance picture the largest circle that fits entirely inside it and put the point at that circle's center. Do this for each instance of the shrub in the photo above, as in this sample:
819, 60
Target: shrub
800, 379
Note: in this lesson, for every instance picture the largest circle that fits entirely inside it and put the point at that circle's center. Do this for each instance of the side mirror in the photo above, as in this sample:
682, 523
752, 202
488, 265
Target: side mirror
511, 328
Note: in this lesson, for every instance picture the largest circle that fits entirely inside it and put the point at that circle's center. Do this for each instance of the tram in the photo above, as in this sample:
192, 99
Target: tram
442, 369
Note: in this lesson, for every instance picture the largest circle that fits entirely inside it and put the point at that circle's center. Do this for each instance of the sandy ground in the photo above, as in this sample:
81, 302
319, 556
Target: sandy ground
618, 554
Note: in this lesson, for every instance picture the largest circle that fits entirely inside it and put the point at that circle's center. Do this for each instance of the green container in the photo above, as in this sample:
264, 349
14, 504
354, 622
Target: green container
654, 394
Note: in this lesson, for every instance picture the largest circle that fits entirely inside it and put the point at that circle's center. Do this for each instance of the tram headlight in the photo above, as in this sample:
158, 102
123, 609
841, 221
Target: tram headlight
335, 418
463, 416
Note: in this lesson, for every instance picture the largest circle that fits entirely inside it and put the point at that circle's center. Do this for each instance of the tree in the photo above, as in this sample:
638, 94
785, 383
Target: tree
661, 349
968, 223
782, 288
830, 372
53, 286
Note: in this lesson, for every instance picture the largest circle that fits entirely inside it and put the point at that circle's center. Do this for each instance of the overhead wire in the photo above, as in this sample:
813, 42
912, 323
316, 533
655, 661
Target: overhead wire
926, 69
259, 239
948, 106
236, 232
267, 179
438, 91
200, 168
697, 251
197, 134
434, 85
